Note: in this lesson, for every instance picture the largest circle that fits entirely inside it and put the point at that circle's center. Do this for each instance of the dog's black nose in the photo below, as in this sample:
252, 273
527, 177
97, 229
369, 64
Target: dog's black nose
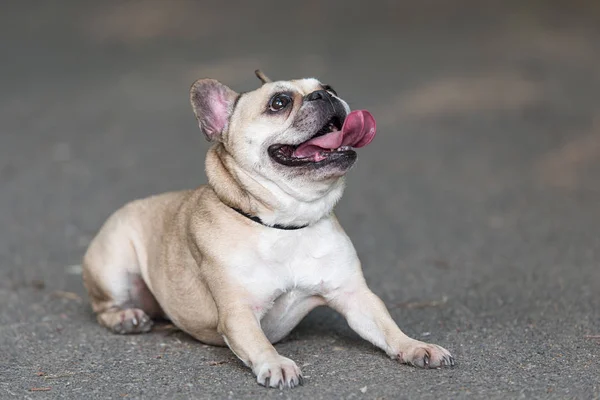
318, 95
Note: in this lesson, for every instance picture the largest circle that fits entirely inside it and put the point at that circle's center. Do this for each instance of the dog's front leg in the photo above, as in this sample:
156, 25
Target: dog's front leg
242, 333
367, 315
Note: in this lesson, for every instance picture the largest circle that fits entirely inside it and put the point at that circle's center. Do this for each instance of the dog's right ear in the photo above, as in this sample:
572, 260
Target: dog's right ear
213, 104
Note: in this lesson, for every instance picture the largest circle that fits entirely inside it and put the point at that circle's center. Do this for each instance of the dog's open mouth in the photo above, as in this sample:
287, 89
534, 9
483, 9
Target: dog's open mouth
336, 138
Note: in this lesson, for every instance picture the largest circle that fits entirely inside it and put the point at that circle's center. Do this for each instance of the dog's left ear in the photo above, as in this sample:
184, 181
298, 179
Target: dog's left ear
213, 104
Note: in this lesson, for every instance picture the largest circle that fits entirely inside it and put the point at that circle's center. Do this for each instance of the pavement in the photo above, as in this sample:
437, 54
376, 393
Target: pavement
475, 211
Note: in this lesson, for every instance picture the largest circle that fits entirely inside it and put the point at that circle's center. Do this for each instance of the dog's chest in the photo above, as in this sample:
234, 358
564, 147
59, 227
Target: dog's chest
308, 262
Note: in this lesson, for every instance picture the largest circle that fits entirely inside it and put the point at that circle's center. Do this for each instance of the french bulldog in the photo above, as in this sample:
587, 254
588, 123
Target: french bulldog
242, 260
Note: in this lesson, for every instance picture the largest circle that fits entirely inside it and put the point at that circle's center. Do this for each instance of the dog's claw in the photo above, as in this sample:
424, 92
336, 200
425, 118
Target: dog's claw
301, 380
425, 355
131, 320
447, 361
279, 372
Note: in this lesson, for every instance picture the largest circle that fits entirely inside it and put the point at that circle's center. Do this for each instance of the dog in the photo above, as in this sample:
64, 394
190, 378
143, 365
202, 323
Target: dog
242, 260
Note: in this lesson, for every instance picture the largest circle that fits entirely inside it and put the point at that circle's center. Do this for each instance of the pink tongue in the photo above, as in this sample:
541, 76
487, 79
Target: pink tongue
358, 131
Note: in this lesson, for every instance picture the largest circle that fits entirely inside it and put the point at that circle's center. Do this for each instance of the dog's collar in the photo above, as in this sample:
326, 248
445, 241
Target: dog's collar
276, 226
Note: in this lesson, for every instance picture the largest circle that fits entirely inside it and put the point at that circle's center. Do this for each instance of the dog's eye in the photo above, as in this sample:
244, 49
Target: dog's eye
279, 102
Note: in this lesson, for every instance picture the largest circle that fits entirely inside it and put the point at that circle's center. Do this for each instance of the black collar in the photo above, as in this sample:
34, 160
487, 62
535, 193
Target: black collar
276, 226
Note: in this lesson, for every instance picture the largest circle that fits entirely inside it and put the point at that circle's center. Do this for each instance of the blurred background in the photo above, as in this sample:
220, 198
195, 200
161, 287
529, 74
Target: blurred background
475, 211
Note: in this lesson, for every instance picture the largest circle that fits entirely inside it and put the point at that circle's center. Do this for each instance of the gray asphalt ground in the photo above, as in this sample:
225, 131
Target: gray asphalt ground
475, 211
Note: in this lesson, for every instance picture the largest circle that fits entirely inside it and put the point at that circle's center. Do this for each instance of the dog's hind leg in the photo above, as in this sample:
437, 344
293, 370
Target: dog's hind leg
112, 276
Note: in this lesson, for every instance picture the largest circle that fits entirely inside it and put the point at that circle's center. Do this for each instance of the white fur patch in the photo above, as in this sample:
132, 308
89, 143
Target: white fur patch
290, 272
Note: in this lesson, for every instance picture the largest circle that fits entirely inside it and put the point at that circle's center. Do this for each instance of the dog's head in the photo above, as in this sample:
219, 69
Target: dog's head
297, 133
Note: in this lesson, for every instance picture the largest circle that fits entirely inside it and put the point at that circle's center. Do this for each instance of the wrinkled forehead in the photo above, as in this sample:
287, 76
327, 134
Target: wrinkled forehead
299, 86
305, 86
258, 98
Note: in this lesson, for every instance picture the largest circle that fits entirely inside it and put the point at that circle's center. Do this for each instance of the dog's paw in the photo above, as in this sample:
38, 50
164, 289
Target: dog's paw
131, 320
425, 355
278, 372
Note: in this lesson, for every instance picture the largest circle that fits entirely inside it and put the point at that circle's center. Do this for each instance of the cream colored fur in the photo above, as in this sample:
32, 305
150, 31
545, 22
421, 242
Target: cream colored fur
227, 280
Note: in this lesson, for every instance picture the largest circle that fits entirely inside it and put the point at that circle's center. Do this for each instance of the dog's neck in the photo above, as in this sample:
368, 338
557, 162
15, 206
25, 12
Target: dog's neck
265, 199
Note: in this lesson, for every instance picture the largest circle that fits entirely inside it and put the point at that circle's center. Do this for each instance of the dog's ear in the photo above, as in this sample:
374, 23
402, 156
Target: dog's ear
213, 104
